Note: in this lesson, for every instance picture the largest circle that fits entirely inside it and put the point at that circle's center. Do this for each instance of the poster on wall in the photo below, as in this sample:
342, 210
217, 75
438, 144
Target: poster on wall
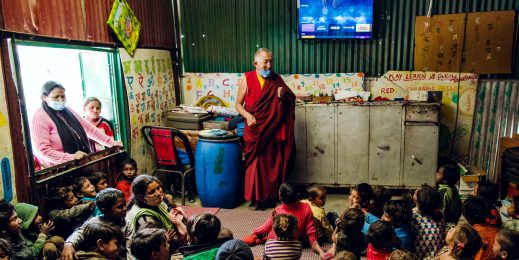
125, 25
439, 42
7, 180
489, 42
148, 77
458, 102
225, 85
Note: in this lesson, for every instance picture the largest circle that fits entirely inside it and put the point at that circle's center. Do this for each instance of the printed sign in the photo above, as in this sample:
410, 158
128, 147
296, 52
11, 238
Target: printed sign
125, 25
458, 101
225, 85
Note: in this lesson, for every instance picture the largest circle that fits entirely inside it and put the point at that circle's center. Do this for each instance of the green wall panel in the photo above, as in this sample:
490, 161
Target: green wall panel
222, 35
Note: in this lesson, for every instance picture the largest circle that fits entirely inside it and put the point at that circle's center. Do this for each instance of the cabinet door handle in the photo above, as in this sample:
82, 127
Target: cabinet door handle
319, 149
383, 147
416, 159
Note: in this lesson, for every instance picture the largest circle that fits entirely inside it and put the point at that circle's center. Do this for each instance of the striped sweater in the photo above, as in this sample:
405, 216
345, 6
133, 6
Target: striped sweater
282, 249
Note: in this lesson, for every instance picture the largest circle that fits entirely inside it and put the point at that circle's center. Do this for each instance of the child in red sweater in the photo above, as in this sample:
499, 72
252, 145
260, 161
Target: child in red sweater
382, 240
290, 205
126, 176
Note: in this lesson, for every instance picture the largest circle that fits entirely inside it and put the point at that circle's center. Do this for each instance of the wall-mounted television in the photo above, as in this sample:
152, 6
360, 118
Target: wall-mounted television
335, 19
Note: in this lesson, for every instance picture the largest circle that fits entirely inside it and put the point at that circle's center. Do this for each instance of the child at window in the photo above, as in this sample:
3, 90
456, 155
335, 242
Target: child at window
92, 108
446, 179
505, 246
477, 213
35, 233
427, 223
99, 180
112, 205
322, 221
151, 243
85, 191
290, 204
382, 240
10, 229
513, 213
463, 242
66, 211
399, 215
285, 246
101, 241
127, 174
349, 236
363, 197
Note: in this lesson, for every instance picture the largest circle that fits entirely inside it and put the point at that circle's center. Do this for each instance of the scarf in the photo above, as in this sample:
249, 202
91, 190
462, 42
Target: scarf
73, 136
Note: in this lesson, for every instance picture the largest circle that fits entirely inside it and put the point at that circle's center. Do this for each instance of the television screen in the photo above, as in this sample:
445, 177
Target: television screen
335, 19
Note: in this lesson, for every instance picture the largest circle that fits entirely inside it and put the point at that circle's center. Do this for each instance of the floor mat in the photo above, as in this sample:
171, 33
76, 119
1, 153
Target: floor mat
190, 211
241, 222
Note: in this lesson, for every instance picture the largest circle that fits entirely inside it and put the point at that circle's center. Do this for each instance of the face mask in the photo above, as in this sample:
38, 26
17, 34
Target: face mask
56, 105
265, 73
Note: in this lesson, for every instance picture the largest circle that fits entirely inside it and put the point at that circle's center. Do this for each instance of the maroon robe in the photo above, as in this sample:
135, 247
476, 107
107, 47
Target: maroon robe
269, 143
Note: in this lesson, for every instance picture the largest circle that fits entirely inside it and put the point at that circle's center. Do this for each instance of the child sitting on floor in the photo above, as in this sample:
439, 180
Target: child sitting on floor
85, 191
382, 240
99, 180
402, 254
234, 249
10, 229
477, 213
112, 205
505, 245
290, 204
349, 235
513, 213
150, 244
398, 214
363, 197
322, 221
446, 179
490, 192
126, 176
285, 246
463, 242
35, 233
427, 224
66, 211
101, 241
203, 230
5, 249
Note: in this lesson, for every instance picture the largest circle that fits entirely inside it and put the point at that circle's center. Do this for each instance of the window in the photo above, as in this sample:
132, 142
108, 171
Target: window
83, 71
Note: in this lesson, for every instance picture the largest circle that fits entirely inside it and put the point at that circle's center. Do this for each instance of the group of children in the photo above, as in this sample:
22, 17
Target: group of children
432, 223
135, 220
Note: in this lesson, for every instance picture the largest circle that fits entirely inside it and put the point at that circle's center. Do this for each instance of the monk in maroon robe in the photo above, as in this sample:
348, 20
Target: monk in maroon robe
267, 104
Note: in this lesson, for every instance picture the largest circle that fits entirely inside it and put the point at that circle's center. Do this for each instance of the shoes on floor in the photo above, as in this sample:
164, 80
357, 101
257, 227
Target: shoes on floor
250, 239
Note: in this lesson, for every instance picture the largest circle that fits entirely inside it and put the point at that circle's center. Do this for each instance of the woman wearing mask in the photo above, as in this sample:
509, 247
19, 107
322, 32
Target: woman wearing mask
59, 134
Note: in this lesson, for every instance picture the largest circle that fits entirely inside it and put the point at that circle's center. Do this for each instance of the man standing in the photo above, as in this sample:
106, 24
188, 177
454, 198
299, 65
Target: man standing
267, 104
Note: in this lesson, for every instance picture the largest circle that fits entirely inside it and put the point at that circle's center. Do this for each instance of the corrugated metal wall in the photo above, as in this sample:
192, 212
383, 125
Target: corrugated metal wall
85, 20
496, 115
222, 35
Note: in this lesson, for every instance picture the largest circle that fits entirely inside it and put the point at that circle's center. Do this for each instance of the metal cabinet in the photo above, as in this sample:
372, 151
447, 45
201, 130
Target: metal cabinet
385, 138
320, 144
342, 144
352, 144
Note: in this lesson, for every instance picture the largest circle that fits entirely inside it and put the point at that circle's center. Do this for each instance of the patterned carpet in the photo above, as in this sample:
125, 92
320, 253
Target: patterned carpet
242, 221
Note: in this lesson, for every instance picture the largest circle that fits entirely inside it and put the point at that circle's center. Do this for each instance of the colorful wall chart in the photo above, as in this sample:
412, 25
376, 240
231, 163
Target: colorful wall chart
7, 180
398, 84
149, 84
225, 85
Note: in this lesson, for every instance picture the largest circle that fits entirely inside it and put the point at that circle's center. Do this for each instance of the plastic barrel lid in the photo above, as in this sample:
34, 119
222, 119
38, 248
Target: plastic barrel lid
216, 134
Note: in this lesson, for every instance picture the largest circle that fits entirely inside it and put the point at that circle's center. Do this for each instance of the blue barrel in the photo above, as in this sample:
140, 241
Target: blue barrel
219, 180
